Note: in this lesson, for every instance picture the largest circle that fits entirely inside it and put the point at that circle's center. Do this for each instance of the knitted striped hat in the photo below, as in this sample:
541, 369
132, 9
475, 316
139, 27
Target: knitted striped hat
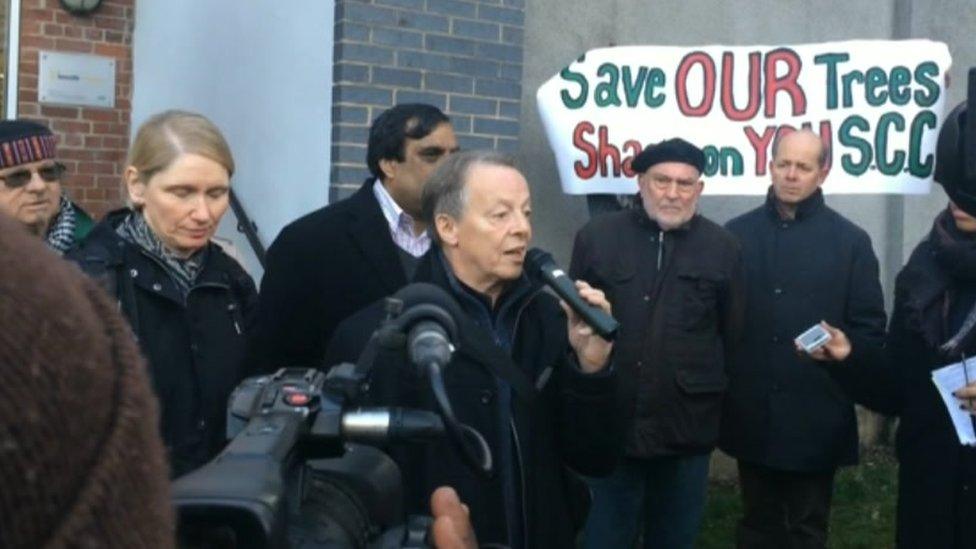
24, 141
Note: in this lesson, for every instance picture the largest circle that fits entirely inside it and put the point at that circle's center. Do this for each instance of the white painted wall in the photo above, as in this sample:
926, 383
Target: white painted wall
262, 71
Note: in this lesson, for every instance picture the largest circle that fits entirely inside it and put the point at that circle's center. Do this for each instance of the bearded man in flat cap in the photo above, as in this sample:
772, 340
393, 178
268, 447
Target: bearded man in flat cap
675, 282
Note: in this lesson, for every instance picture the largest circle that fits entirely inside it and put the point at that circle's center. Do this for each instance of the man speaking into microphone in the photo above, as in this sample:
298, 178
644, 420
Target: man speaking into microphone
532, 378
675, 280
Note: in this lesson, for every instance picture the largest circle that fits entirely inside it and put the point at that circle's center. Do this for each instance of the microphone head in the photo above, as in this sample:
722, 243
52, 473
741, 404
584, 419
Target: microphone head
536, 260
420, 293
424, 301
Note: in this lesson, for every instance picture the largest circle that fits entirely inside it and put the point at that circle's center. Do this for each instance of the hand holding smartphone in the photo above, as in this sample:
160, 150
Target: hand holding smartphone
813, 339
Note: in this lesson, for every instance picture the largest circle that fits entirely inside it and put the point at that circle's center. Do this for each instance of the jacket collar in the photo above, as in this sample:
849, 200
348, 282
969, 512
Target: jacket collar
810, 206
369, 231
643, 220
148, 272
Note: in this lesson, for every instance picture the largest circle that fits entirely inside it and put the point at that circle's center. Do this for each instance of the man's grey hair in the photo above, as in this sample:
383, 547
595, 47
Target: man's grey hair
446, 190
824, 148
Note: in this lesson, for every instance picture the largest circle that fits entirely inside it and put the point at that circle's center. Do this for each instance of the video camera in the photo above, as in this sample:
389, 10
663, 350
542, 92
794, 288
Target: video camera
301, 469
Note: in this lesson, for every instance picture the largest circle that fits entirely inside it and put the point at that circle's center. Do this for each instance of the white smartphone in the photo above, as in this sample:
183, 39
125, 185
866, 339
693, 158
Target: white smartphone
813, 339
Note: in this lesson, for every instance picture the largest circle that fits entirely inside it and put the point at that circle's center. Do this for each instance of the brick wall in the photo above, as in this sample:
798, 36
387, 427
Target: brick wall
463, 56
92, 142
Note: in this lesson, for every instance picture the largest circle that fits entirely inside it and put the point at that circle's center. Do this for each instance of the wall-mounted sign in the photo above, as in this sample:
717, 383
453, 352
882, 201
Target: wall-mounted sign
877, 104
76, 79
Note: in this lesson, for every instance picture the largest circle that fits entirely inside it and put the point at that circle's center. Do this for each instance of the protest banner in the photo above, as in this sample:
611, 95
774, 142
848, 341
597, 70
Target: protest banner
878, 104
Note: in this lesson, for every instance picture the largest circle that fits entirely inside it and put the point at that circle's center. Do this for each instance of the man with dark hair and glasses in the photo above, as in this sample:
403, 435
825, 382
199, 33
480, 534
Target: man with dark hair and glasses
332, 262
31, 185
675, 280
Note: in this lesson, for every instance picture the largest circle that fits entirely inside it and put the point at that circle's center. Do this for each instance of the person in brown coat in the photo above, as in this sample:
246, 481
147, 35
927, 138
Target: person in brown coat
81, 462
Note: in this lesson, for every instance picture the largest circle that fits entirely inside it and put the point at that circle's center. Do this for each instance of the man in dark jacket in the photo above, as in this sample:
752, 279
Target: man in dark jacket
789, 424
675, 281
538, 389
30, 185
334, 261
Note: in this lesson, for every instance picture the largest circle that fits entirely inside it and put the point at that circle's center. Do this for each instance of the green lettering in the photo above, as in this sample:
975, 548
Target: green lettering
632, 86
849, 79
831, 60
847, 139
917, 166
568, 100
887, 120
606, 92
655, 79
875, 86
898, 85
924, 73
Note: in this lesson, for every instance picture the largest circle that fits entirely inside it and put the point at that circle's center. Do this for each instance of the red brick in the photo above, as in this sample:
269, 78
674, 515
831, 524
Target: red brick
100, 115
28, 27
75, 154
32, 14
112, 142
118, 51
50, 29
71, 126
95, 35
71, 31
107, 127
110, 23
38, 42
59, 112
67, 44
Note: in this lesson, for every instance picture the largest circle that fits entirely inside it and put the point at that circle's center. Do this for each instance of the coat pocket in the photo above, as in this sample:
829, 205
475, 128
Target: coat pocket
701, 382
696, 308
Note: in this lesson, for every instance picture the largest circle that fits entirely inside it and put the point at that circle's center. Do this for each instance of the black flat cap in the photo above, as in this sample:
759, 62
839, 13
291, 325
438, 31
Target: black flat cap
671, 150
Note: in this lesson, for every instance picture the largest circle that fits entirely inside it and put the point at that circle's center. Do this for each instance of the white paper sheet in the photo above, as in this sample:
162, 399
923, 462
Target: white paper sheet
951, 378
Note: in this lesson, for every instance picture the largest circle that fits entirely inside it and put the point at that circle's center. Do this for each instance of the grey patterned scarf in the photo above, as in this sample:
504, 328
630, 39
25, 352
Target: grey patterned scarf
183, 271
61, 234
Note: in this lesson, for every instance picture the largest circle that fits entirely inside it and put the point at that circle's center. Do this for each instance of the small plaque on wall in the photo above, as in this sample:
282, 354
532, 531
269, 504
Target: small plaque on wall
76, 79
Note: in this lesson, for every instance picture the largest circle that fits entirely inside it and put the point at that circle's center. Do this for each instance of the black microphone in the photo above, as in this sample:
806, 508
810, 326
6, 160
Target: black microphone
428, 343
540, 264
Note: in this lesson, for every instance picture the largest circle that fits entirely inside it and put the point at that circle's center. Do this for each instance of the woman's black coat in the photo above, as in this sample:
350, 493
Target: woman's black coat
937, 476
195, 348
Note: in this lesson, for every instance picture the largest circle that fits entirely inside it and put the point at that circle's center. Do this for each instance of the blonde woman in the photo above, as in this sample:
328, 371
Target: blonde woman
188, 303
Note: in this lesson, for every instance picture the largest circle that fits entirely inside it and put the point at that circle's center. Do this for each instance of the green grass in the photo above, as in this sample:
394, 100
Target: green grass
862, 514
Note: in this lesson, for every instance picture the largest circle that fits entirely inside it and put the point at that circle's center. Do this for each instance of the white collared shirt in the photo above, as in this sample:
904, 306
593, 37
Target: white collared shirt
400, 223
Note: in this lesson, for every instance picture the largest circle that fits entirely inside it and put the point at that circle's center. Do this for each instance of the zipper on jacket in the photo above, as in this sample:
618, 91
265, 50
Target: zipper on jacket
511, 422
660, 249
521, 466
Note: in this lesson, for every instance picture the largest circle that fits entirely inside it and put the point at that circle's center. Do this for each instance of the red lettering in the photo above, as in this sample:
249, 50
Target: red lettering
634, 148
602, 156
584, 170
681, 83
728, 101
787, 82
760, 144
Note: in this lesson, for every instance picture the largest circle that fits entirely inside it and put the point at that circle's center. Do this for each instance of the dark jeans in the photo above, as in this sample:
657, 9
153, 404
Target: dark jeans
670, 491
783, 509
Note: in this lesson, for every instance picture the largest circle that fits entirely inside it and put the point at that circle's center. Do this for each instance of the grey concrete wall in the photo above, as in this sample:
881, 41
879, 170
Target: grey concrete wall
558, 31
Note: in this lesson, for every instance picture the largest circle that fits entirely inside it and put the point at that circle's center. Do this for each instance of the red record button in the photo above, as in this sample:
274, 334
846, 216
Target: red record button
297, 399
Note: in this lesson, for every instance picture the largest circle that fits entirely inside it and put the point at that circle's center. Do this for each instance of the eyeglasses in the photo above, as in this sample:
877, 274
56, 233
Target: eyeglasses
662, 183
49, 173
